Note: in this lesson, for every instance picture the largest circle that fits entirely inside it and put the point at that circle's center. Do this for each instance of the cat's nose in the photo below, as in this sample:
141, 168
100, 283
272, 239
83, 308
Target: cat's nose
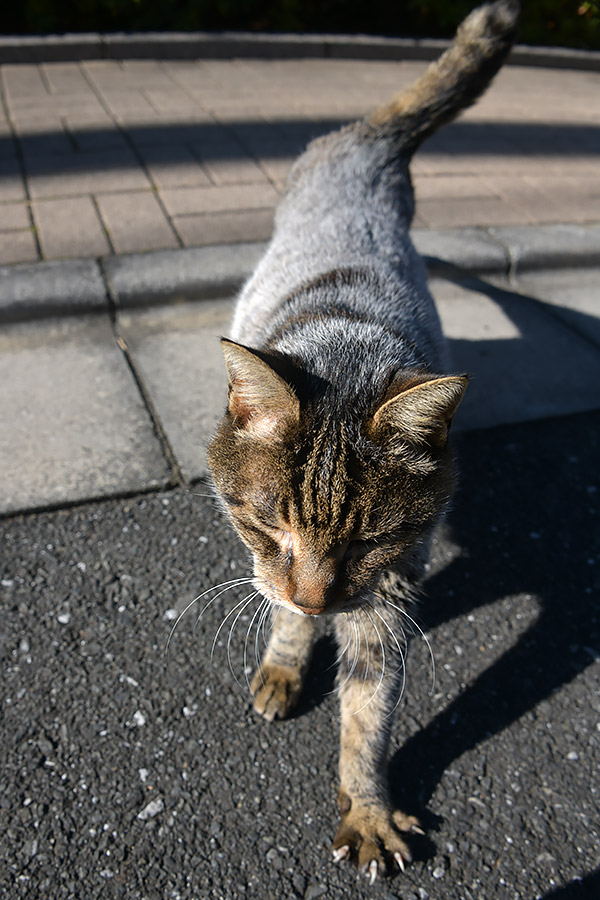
310, 610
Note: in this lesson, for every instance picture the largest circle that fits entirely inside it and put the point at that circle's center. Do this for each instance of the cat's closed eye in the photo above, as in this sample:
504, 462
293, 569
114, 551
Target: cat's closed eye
360, 547
356, 549
285, 541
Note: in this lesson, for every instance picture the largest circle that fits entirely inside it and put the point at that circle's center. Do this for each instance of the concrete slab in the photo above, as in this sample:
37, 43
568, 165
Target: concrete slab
469, 248
178, 356
195, 272
70, 227
574, 295
524, 363
555, 245
47, 288
73, 425
135, 222
17, 247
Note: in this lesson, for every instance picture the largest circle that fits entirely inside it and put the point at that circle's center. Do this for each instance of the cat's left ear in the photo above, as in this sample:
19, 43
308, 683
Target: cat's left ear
422, 413
260, 401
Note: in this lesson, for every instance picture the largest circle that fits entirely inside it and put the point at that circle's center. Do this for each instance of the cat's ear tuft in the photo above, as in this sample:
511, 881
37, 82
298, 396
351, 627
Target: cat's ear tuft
260, 401
422, 413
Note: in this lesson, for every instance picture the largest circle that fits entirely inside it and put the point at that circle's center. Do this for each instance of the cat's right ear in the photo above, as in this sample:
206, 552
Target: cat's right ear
260, 401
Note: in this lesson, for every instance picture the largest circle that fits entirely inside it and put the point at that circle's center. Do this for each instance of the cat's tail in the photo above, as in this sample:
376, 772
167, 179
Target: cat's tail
455, 80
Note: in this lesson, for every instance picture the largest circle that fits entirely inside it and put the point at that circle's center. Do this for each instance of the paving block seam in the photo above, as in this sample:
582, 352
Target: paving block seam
176, 476
229, 45
21, 167
549, 310
212, 272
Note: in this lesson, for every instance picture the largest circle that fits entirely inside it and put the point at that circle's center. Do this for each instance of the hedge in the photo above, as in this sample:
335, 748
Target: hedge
572, 23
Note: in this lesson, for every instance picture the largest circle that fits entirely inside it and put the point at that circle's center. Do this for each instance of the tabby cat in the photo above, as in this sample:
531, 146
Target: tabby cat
332, 457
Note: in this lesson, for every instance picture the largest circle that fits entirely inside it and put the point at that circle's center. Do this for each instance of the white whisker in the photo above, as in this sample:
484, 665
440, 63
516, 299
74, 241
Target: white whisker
265, 606
372, 697
216, 597
402, 658
341, 653
247, 600
423, 636
367, 649
215, 587
354, 662
246, 642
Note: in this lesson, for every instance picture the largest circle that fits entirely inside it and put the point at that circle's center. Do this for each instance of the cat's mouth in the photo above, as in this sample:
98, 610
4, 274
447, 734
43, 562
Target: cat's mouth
276, 600
333, 606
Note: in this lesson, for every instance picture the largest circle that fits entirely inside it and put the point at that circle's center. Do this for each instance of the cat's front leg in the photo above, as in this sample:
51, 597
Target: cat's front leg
277, 684
371, 674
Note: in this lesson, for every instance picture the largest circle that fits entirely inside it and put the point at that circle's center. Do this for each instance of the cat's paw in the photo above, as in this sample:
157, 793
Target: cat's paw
276, 690
371, 837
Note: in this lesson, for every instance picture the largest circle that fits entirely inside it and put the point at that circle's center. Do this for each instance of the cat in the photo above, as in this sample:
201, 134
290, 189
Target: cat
332, 458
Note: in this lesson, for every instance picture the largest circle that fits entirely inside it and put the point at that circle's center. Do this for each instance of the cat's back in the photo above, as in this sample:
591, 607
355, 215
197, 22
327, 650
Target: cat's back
347, 208
349, 204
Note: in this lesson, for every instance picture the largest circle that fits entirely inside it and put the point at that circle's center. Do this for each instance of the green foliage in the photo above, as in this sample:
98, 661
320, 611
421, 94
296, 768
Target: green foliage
574, 23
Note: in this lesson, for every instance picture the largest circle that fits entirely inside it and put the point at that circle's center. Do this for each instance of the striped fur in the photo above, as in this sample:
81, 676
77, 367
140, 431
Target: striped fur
332, 456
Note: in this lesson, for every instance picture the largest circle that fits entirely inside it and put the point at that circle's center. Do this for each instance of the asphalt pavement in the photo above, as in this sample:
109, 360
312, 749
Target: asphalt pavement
130, 771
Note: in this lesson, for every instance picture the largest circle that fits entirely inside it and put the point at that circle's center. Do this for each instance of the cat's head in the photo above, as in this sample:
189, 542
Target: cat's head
327, 498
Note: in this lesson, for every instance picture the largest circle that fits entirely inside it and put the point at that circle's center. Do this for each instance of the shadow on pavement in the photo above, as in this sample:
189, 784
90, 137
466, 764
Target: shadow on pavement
285, 137
586, 889
527, 516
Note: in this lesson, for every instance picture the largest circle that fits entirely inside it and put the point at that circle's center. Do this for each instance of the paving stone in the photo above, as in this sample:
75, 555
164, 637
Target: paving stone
85, 173
236, 170
437, 187
69, 227
73, 425
549, 245
580, 197
468, 248
135, 221
48, 288
171, 99
45, 143
8, 147
169, 135
122, 101
67, 78
534, 198
17, 247
225, 227
573, 293
277, 170
92, 138
13, 216
447, 213
11, 182
199, 272
23, 81
181, 201
173, 166
178, 355
524, 363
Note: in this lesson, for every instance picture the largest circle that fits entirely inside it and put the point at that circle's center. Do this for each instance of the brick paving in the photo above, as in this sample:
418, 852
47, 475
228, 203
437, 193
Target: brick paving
112, 157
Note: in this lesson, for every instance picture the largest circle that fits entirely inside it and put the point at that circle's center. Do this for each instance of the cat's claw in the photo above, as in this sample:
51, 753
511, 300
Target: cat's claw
372, 838
341, 853
371, 872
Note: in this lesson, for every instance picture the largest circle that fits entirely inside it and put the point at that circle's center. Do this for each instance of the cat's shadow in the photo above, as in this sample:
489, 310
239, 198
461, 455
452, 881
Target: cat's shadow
320, 678
532, 487
525, 518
